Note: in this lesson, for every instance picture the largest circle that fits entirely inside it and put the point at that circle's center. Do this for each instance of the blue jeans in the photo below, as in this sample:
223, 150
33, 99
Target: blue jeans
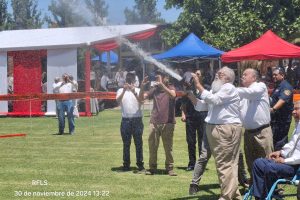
265, 172
132, 127
65, 106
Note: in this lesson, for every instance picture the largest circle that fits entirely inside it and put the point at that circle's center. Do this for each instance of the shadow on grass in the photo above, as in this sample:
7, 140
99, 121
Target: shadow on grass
203, 188
135, 171
65, 133
184, 169
199, 197
181, 168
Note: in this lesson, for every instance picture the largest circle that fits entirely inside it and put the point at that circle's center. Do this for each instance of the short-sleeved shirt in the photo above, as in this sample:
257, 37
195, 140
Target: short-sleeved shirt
130, 106
163, 111
282, 91
66, 88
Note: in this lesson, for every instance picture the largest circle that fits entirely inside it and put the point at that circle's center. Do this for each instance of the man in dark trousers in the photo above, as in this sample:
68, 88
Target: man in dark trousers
280, 164
194, 124
281, 102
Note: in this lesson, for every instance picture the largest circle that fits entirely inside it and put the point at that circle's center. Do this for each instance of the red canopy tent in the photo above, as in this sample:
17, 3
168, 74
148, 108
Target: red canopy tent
269, 46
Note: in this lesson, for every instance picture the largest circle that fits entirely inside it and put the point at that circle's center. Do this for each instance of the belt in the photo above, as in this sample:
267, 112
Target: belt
257, 129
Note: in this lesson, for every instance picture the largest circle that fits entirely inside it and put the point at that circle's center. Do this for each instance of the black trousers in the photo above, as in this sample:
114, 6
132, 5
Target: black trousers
195, 129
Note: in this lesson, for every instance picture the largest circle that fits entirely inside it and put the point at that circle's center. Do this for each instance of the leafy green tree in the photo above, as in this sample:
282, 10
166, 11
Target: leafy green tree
26, 14
5, 17
99, 10
66, 13
227, 24
144, 11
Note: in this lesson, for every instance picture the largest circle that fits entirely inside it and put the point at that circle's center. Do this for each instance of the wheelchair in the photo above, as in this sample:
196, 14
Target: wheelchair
294, 181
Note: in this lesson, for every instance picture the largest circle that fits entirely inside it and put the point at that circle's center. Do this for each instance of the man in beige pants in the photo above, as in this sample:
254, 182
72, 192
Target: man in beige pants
255, 116
223, 128
162, 121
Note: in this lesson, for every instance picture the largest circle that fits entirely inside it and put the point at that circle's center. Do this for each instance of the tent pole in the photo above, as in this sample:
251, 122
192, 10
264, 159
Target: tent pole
144, 67
87, 81
120, 57
108, 61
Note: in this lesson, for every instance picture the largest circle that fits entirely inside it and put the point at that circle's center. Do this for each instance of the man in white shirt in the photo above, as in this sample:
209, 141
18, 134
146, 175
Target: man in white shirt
132, 123
255, 116
223, 128
104, 81
120, 77
66, 86
280, 164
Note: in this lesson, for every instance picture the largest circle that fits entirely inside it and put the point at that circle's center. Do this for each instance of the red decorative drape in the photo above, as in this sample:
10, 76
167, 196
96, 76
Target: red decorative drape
107, 46
110, 45
27, 79
142, 36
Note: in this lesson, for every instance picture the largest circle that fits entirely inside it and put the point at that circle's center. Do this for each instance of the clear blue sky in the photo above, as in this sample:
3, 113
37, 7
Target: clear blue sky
116, 10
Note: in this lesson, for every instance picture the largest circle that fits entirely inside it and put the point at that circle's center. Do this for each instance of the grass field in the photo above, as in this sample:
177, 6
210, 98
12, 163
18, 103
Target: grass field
85, 165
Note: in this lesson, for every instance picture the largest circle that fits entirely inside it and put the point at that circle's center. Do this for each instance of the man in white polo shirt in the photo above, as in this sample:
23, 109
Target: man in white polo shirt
132, 122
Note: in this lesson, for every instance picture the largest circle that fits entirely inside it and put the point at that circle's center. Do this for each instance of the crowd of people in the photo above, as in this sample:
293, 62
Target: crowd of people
216, 116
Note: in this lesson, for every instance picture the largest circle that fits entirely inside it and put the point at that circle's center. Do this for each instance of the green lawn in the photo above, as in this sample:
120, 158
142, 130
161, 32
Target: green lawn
86, 163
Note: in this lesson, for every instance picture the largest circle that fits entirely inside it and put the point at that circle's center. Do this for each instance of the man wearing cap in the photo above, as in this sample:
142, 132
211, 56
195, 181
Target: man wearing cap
281, 102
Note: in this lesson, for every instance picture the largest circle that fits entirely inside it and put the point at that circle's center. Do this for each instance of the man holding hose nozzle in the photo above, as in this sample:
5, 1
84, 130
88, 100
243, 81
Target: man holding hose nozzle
223, 129
162, 121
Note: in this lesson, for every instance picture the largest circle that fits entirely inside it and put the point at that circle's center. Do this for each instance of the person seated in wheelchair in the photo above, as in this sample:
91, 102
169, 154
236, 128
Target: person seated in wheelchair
279, 164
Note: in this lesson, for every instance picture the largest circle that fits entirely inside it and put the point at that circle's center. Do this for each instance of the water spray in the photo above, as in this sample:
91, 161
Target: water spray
138, 51
134, 47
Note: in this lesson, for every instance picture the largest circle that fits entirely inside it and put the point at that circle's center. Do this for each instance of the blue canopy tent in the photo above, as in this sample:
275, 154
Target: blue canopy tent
190, 47
113, 57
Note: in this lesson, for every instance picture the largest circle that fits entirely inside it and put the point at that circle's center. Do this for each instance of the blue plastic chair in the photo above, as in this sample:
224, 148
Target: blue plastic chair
293, 181
248, 195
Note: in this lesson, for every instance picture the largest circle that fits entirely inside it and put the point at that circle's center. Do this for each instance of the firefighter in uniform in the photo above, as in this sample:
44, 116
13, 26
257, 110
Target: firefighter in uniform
281, 102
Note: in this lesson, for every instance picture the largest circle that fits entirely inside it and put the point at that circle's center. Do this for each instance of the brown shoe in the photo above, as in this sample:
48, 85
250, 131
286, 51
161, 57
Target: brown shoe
171, 173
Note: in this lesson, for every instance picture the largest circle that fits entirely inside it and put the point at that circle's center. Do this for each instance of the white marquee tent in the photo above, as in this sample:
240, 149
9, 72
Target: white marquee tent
61, 45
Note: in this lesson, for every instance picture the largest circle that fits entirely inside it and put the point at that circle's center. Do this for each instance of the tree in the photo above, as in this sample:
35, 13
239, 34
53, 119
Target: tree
227, 24
5, 17
66, 13
99, 11
26, 15
144, 11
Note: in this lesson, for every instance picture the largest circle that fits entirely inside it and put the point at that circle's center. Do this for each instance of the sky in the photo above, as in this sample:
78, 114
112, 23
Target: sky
117, 7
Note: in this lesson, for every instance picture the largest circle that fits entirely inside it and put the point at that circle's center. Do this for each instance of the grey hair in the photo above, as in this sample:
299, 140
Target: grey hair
255, 73
230, 75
